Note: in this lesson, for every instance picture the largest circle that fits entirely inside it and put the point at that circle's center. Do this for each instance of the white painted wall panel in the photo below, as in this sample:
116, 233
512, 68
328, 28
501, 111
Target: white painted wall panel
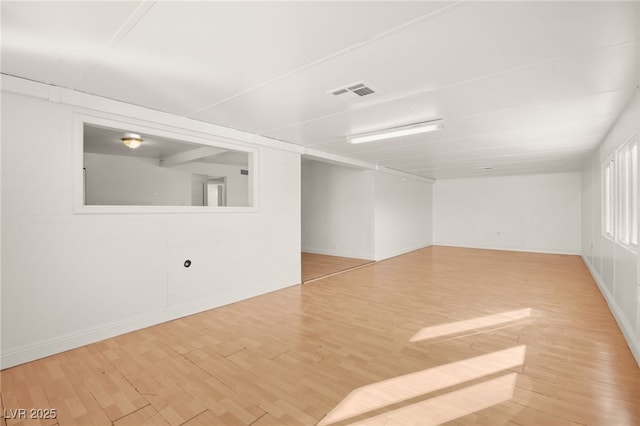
625, 281
553, 205
614, 267
530, 212
587, 212
337, 210
362, 213
70, 279
231, 253
121, 180
403, 215
608, 264
596, 227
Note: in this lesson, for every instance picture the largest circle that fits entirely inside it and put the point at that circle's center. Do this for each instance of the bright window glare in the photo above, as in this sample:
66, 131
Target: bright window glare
607, 199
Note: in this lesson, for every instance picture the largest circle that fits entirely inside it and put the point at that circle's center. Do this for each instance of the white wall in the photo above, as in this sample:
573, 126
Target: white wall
71, 279
363, 213
403, 215
337, 210
614, 267
121, 180
539, 213
237, 184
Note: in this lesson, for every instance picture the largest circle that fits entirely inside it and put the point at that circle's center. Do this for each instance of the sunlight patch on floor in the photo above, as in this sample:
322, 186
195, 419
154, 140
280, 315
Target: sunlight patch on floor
469, 325
450, 406
402, 388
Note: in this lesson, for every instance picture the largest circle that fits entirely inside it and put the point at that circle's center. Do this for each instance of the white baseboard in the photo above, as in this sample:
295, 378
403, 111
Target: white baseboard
397, 252
507, 248
77, 339
341, 253
81, 338
625, 327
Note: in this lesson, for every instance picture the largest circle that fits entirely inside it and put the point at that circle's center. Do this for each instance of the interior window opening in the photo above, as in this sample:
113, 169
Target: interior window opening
122, 168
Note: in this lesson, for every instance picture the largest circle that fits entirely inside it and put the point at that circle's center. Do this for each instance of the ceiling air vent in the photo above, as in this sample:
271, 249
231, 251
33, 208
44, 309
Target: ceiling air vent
352, 91
361, 90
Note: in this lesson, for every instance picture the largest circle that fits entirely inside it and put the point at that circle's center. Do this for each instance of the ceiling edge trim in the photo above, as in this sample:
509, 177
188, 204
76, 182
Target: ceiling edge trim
73, 98
326, 157
390, 171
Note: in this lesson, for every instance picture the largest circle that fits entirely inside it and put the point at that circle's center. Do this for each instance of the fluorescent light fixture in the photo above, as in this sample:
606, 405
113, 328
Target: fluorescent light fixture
394, 132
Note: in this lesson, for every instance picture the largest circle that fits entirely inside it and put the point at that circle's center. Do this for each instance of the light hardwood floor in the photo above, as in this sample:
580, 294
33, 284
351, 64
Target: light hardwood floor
438, 335
315, 266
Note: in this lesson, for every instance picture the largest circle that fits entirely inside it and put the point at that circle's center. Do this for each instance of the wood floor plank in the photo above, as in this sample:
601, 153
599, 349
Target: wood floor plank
207, 419
266, 420
315, 266
25, 397
292, 356
146, 416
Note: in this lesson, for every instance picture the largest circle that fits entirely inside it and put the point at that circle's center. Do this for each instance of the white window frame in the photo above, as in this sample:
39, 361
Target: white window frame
626, 227
169, 132
608, 198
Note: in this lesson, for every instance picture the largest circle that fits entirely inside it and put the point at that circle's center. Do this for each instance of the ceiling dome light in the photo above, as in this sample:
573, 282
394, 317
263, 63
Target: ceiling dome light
132, 140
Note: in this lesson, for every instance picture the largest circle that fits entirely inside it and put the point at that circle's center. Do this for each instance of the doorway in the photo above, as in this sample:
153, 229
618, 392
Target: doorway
336, 218
316, 266
215, 193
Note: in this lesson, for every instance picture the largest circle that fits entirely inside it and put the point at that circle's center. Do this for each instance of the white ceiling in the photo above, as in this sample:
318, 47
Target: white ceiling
524, 87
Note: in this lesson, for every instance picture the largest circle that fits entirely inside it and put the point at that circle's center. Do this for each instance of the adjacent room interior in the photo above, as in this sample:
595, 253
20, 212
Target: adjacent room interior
320, 213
